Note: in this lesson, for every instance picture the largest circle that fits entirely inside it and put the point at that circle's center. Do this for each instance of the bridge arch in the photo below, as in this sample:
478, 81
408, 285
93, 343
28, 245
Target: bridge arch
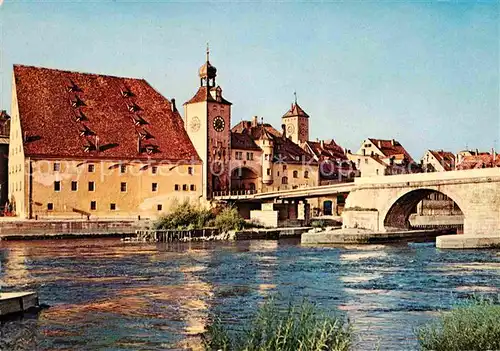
396, 215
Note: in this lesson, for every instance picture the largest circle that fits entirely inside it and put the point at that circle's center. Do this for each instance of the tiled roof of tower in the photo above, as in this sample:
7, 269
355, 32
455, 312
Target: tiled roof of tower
82, 115
295, 110
243, 141
203, 95
255, 131
445, 158
391, 148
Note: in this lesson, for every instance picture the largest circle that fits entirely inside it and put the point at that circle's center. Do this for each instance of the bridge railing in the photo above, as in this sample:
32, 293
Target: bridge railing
234, 193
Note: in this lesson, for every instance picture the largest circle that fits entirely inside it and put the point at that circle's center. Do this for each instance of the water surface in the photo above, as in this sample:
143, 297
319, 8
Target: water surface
109, 295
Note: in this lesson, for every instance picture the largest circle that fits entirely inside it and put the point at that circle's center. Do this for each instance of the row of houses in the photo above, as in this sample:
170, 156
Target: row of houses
81, 144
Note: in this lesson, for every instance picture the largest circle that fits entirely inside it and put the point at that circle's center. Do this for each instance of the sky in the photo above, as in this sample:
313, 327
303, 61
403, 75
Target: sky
424, 73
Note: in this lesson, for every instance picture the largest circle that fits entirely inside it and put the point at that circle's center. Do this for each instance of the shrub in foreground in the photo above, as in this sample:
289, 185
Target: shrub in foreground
184, 216
474, 326
296, 328
229, 219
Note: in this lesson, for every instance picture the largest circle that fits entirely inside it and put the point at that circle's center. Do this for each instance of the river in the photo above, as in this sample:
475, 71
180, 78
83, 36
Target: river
109, 295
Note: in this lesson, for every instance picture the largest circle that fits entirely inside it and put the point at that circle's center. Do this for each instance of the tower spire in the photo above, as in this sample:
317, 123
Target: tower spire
208, 51
295, 96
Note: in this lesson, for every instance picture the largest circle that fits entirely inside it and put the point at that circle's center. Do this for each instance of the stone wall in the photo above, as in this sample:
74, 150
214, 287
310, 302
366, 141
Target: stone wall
361, 219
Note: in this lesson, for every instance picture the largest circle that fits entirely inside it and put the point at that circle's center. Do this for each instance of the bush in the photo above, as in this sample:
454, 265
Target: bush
229, 219
319, 223
184, 216
473, 326
298, 328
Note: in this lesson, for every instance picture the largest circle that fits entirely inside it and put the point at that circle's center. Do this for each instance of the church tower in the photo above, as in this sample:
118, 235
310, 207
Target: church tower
296, 122
208, 124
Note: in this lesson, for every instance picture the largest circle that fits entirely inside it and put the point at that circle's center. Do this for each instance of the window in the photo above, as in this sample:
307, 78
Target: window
57, 185
295, 174
284, 167
366, 161
154, 187
192, 187
306, 174
249, 156
269, 171
74, 185
154, 170
50, 206
112, 207
123, 168
176, 187
57, 167
93, 205
284, 180
91, 186
123, 187
377, 171
159, 207
184, 187
91, 168
190, 170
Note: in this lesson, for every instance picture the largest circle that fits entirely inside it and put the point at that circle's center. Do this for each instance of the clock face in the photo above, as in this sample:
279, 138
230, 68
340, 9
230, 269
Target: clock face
219, 124
195, 124
290, 129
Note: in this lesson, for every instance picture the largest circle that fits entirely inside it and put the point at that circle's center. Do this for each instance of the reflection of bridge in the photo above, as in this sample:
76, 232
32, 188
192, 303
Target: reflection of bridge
386, 202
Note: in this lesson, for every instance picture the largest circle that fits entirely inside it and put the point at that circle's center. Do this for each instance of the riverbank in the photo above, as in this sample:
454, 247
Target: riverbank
66, 229
364, 236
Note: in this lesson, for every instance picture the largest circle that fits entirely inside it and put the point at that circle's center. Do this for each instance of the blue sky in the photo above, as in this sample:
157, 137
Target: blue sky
425, 73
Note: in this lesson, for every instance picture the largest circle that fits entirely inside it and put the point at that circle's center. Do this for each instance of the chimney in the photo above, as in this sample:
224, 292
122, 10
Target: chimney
477, 152
249, 124
172, 104
393, 142
283, 130
255, 121
379, 144
322, 143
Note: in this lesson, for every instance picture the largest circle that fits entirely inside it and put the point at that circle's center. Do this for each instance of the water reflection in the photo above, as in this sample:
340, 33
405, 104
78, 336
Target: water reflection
106, 294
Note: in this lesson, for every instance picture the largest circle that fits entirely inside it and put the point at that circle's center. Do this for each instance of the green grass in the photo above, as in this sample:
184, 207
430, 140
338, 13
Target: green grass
471, 326
296, 328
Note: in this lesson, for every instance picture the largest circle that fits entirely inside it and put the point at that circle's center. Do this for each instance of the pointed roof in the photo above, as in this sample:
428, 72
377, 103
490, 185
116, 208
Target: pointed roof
81, 115
295, 111
203, 94
445, 158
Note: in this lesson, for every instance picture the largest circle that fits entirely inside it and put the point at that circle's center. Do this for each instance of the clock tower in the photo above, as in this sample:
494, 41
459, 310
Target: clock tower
208, 124
296, 122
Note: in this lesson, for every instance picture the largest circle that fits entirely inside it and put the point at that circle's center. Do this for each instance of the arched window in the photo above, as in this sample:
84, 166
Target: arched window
284, 180
306, 174
295, 174
252, 186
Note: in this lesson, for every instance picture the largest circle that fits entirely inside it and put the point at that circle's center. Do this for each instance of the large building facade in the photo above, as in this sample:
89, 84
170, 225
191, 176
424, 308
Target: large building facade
86, 145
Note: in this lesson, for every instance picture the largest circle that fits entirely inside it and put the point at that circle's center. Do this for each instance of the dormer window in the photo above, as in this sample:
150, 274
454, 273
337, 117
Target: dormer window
77, 102
89, 147
138, 121
144, 135
151, 149
80, 116
133, 107
85, 131
126, 93
73, 88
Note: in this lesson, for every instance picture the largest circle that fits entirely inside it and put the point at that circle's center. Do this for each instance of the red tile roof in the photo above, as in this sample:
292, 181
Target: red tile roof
285, 150
482, 160
64, 113
445, 158
391, 148
260, 130
295, 110
328, 149
243, 141
203, 95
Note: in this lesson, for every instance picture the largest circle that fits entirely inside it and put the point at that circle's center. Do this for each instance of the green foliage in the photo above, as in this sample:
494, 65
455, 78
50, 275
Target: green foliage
229, 219
296, 328
184, 216
473, 326
319, 223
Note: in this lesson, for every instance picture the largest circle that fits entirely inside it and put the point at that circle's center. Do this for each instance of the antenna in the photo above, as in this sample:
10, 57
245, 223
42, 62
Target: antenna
295, 95
208, 51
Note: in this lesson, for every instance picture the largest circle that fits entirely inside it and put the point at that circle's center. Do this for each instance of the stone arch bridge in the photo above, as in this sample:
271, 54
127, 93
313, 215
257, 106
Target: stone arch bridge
385, 203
